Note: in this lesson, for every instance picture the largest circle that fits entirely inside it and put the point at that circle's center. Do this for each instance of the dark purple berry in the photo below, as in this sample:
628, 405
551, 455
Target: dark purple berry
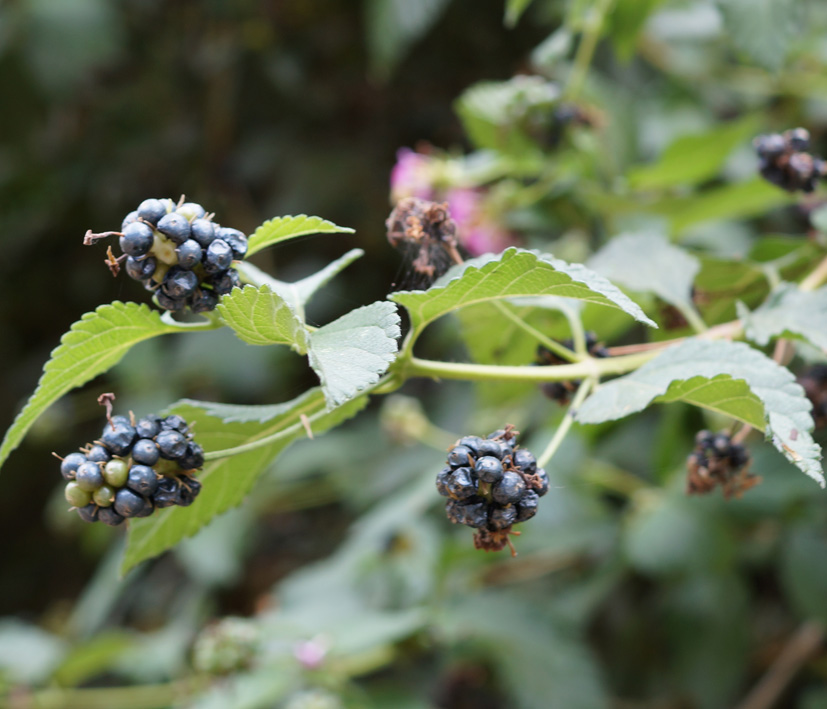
188, 491
502, 518
169, 303
148, 509
130, 504
462, 484
88, 476
193, 458
223, 283
203, 231
543, 475
524, 460
108, 516
128, 219
137, 239
203, 300
171, 444
145, 452
119, 439
459, 456
218, 257
174, 422
189, 254
527, 506
167, 493
473, 513
148, 427
509, 488
70, 464
442, 481
88, 513
490, 448
770, 146
140, 269
472, 443
175, 227
179, 283
142, 479
489, 469
151, 210
236, 240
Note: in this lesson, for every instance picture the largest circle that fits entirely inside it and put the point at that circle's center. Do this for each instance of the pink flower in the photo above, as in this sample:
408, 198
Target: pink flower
477, 231
411, 176
311, 653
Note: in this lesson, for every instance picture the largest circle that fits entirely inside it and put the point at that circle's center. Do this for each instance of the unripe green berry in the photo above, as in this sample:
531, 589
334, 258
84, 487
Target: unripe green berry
115, 473
104, 496
76, 495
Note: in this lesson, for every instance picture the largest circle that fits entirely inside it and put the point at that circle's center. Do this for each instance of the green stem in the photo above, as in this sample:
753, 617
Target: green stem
692, 317
545, 341
582, 392
589, 367
587, 46
816, 278
578, 333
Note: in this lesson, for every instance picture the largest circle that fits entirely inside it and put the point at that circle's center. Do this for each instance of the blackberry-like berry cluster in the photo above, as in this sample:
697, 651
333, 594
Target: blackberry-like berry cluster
786, 162
716, 460
492, 484
178, 252
134, 468
561, 391
814, 382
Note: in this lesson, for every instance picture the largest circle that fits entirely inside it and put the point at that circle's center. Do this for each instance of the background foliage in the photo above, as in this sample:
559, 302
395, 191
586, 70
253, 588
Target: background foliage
626, 592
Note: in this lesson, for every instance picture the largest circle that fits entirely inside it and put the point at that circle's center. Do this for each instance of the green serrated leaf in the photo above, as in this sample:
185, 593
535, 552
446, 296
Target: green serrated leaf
693, 158
261, 317
94, 344
648, 263
514, 273
761, 29
227, 481
766, 395
281, 229
788, 312
352, 352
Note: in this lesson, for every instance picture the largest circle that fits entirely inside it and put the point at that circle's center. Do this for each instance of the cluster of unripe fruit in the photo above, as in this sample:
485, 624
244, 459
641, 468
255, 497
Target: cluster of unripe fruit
492, 484
134, 468
178, 252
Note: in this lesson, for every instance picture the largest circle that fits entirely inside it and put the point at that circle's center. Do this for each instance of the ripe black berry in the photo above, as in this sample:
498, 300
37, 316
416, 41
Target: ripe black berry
501, 518
527, 506
189, 254
128, 219
169, 303
118, 439
203, 231
193, 458
175, 423
89, 513
473, 512
171, 444
148, 427
459, 456
236, 240
145, 451
130, 504
224, 282
141, 269
179, 283
785, 160
175, 227
137, 239
69, 465
88, 476
442, 481
108, 516
188, 491
462, 484
98, 454
218, 257
203, 301
489, 469
166, 495
151, 210
509, 488
524, 460
142, 479
472, 443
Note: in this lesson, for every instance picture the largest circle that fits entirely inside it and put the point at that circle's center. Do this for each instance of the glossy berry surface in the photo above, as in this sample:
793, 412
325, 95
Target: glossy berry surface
137, 239
88, 476
218, 257
98, 454
69, 465
236, 240
175, 422
145, 452
189, 254
203, 300
151, 210
179, 283
142, 479
489, 469
188, 491
129, 503
148, 427
76, 496
175, 227
115, 473
193, 458
109, 517
203, 231
166, 494
459, 456
509, 488
171, 444
140, 269
89, 513
119, 439
524, 460
462, 484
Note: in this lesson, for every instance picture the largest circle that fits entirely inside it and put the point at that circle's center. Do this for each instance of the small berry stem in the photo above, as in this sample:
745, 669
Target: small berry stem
568, 419
546, 342
816, 277
692, 316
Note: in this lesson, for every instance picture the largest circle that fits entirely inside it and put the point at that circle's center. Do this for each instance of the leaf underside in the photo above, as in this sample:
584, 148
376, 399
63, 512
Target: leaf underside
788, 311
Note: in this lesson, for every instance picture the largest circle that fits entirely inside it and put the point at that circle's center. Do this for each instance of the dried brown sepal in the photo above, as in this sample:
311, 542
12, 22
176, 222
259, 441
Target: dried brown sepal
107, 400
113, 262
495, 541
91, 238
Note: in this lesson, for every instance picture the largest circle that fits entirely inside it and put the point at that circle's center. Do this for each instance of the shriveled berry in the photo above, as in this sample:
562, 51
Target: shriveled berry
142, 479
472, 443
104, 496
203, 231
527, 506
115, 472
490, 448
473, 512
193, 458
145, 451
98, 454
502, 517
524, 460
140, 269
70, 464
76, 496
166, 495
189, 254
88, 476
179, 283
459, 456
136, 239
190, 487
130, 504
148, 427
218, 257
88, 513
169, 303
203, 300
236, 240
509, 488
462, 484
191, 210
223, 283
119, 439
442, 481
489, 469
543, 476
175, 227
108, 516
171, 444
174, 422
151, 210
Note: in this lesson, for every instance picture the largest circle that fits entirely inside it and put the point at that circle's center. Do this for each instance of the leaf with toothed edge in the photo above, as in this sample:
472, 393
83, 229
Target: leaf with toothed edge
788, 311
729, 377
227, 481
274, 231
93, 345
261, 317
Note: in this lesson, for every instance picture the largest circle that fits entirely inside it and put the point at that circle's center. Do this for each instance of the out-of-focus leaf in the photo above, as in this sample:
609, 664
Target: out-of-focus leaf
693, 158
93, 657
625, 23
788, 312
729, 377
803, 574
648, 263
28, 654
552, 49
514, 10
761, 29
393, 26
260, 689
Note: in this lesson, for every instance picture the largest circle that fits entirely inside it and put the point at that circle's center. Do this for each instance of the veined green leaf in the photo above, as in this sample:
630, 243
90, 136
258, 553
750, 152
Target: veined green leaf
94, 344
648, 263
261, 317
515, 272
281, 229
730, 377
352, 352
788, 312
226, 481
